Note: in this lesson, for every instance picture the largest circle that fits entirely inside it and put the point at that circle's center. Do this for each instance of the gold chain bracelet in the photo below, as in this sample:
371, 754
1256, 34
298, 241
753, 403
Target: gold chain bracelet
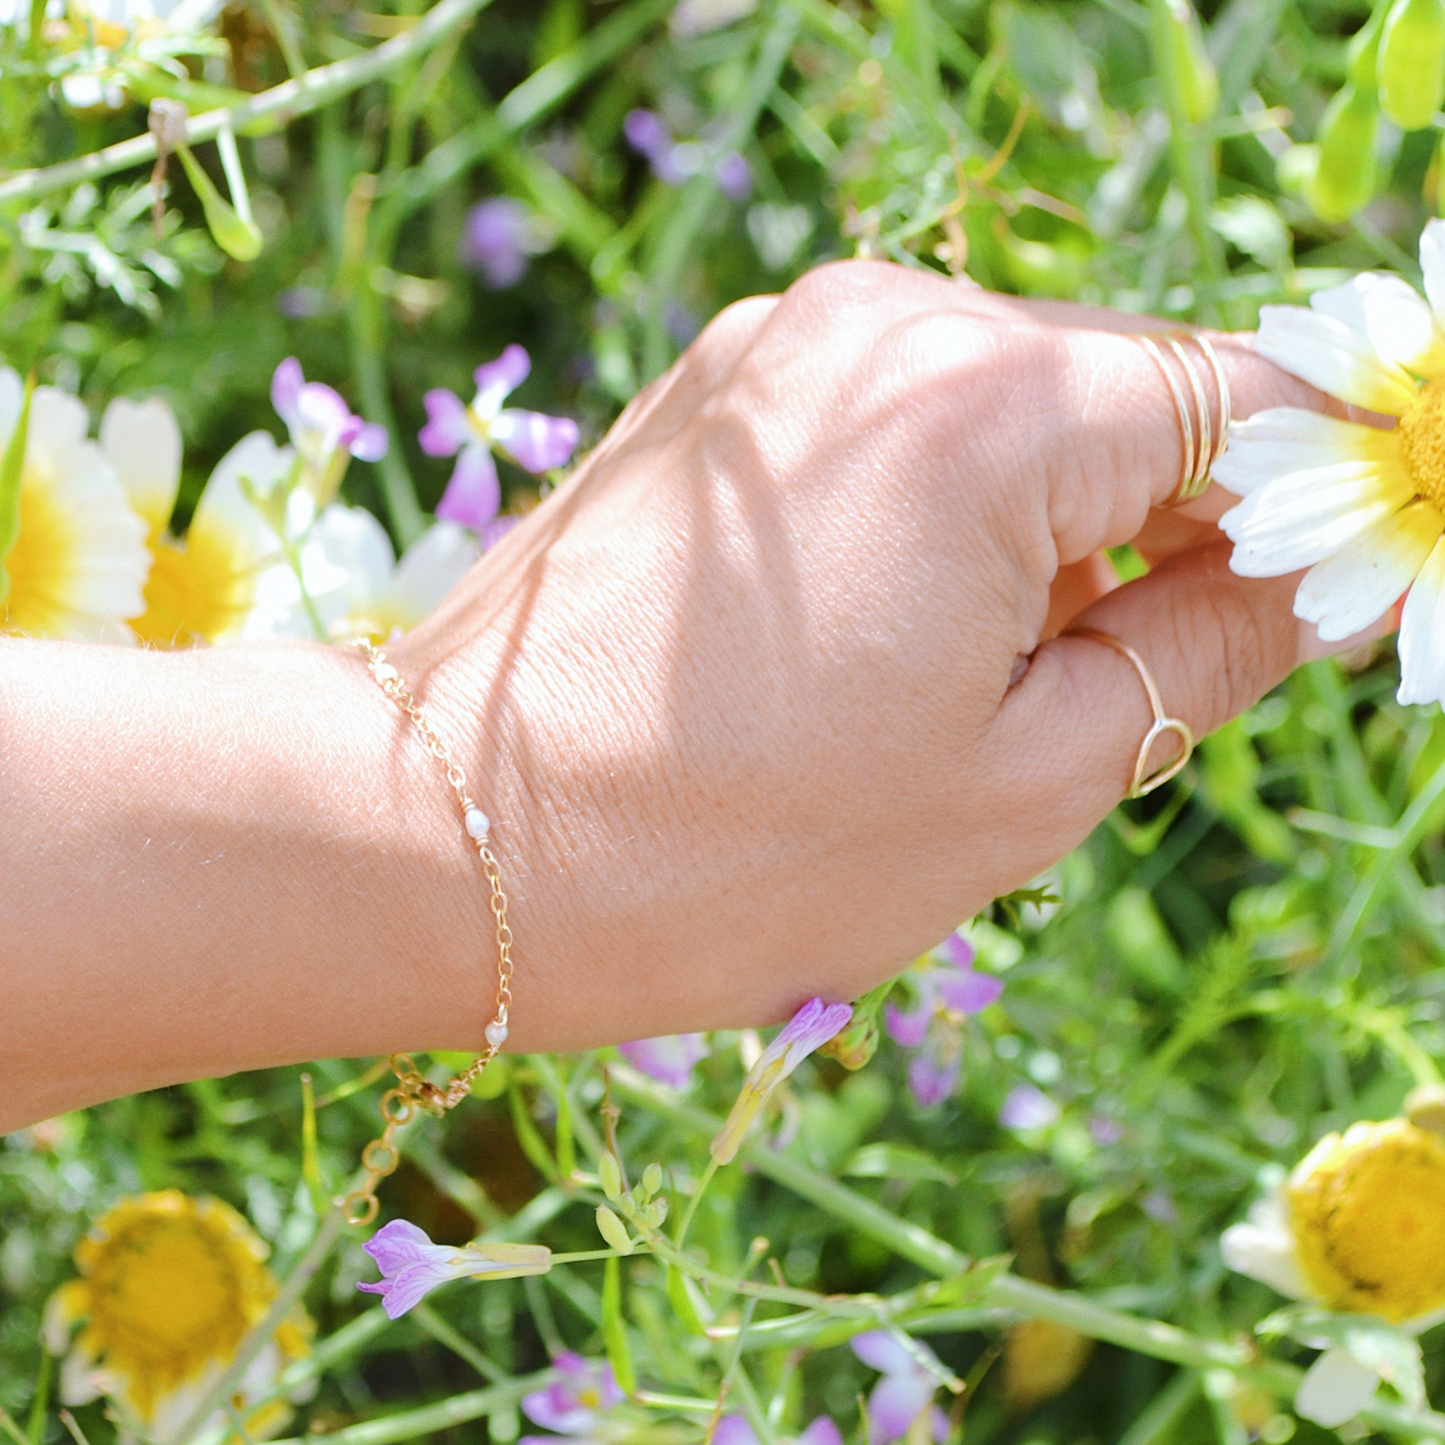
413, 1091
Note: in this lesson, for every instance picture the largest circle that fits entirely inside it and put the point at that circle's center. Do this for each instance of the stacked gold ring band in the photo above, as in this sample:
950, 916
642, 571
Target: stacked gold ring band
1144, 781
1205, 428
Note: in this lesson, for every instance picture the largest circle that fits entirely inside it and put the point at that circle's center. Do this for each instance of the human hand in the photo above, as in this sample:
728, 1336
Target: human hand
759, 695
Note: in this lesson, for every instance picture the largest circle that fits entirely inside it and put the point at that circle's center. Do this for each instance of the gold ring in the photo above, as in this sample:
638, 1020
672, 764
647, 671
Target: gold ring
1205, 428
1144, 781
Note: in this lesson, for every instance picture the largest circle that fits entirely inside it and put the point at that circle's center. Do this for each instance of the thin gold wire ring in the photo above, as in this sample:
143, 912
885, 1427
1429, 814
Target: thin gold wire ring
1144, 781
1204, 440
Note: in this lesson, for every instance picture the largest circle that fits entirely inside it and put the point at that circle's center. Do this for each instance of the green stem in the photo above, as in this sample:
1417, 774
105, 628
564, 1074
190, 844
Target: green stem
675, 243
1408, 832
430, 1419
269, 110
458, 1344
686, 1222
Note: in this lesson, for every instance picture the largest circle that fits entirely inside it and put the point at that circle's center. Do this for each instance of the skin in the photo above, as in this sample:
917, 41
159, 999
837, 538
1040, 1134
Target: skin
764, 701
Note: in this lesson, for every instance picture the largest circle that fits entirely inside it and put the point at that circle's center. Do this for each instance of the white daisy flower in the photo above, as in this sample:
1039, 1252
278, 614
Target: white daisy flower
1361, 507
372, 594
1357, 1229
79, 561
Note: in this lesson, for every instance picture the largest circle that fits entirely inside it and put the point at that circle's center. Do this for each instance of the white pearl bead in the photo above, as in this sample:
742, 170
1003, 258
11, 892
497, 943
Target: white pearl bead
496, 1033
384, 672
477, 823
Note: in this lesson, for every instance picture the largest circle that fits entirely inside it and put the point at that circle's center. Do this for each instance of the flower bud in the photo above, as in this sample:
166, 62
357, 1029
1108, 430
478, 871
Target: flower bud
1345, 177
611, 1176
612, 1229
652, 1179
655, 1214
1411, 66
856, 1045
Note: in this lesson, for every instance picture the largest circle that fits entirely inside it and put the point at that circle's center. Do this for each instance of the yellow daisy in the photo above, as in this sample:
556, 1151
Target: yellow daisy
79, 561
1363, 508
169, 1287
211, 586
1359, 1228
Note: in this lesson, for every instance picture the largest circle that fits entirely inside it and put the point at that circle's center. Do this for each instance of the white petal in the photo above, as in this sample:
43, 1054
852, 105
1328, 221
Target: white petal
225, 508
1332, 356
1346, 592
1301, 519
142, 443
1285, 439
1266, 1254
1335, 1389
57, 422
356, 544
432, 566
1422, 634
1391, 313
1432, 263
12, 396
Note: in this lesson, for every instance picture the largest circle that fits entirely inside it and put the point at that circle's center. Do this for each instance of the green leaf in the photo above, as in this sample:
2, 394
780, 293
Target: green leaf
680, 1291
896, 1161
12, 471
614, 1330
1393, 1353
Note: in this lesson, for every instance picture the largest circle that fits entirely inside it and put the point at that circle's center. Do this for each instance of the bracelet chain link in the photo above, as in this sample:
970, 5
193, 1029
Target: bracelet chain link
413, 1091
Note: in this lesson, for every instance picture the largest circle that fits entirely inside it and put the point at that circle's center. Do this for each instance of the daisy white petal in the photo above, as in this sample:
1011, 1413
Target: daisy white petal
1302, 519
1349, 590
1335, 1389
1272, 444
1394, 317
1422, 634
142, 443
1432, 263
1325, 352
1263, 1247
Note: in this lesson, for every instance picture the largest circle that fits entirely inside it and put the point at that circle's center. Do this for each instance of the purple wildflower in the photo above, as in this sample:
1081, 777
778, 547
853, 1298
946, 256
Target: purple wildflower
947, 993
734, 176
735, 1430
670, 1060
809, 1029
412, 1266
323, 429
532, 439
572, 1404
1027, 1108
500, 237
906, 1389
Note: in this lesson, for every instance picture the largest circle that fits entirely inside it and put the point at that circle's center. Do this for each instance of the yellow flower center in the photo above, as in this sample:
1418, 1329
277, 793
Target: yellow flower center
203, 590
1368, 1216
170, 1284
1422, 441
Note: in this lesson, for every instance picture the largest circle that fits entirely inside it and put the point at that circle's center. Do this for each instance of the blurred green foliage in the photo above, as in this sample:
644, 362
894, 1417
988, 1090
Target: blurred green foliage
1234, 967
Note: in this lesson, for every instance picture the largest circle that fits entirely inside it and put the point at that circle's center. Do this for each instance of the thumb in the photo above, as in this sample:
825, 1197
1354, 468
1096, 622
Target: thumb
1214, 643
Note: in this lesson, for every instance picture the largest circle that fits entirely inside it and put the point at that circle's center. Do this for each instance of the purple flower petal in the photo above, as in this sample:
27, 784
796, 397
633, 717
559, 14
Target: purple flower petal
555, 1408
734, 176
446, 431
411, 1266
896, 1402
647, 133
809, 1029
286, 383
494, 240
396, 1245
670, 1060
957, 950
939, 1421
497, 379
967, 992
474, 494
534, 440
821, 1432
370, 443
1027, 1108
908, 1027
733, 1430
490, 533
933, 1080
882, 1350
